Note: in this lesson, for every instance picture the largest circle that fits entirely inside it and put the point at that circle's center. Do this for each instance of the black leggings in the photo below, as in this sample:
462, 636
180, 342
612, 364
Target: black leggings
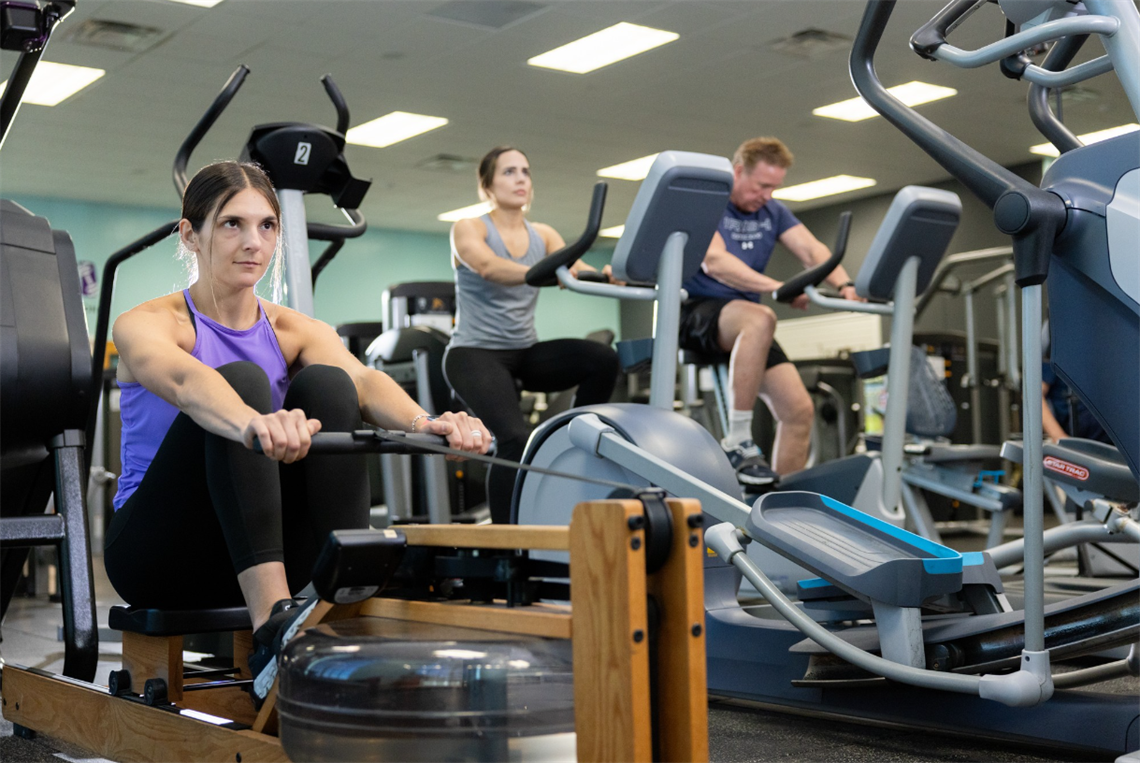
485, 381
208, 508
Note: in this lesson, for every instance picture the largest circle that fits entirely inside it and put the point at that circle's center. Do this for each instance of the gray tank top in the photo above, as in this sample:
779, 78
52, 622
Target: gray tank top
490, 315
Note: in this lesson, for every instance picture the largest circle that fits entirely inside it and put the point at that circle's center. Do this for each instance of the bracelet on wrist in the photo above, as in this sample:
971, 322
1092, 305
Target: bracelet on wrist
416, 420
844, 286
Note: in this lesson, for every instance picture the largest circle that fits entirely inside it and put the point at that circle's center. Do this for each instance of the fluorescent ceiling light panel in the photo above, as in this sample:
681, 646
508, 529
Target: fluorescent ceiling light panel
912, 94
392, 128
199, 3
614, 232
1048, 149
603, 48
475, 210
52, 84
826, 187
635, 169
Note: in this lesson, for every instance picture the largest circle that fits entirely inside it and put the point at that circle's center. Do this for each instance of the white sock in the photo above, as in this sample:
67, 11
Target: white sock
739, 428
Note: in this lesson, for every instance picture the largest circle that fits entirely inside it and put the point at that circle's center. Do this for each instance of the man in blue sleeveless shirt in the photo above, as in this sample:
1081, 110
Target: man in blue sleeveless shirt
724, 314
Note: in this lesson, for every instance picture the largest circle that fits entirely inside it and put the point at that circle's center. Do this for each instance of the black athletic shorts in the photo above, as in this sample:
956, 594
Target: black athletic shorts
699, 318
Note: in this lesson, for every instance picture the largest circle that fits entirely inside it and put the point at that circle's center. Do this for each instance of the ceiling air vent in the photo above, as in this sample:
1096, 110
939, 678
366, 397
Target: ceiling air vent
812, 44
115, 35
448, 163
488, 14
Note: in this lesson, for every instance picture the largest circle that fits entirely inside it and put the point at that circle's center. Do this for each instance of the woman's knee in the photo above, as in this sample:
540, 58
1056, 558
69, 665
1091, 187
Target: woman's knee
250, 382
324, 379
603, 359
325, 392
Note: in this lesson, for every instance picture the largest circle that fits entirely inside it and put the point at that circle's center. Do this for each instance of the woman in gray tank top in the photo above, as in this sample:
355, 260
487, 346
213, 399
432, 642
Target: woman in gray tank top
495, 351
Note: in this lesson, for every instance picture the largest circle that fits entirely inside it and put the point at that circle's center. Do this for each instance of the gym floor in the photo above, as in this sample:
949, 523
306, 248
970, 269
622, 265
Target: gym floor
738, 732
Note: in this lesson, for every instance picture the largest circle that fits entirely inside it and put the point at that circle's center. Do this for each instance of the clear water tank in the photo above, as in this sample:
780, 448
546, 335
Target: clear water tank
369, 689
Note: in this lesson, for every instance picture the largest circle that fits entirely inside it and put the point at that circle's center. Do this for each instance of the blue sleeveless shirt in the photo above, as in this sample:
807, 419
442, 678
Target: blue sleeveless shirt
147, 417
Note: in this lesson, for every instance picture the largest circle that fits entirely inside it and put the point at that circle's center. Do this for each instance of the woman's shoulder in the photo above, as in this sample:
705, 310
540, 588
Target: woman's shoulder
165, 316
291, 324
542, 229
282, 317
470, 226
296, 331
548, 235
171, 307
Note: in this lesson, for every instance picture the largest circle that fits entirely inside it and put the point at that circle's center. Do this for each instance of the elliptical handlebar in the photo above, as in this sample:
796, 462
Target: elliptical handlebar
336, 234
229, 90
1039, 111
30, 37
930, 40
1031, 216
332, 232
338, 102
984, 177
932, 35
544, 272
795, 286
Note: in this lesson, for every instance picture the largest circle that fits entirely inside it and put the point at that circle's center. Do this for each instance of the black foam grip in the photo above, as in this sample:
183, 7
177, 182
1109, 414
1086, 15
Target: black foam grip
543, 273
795, 286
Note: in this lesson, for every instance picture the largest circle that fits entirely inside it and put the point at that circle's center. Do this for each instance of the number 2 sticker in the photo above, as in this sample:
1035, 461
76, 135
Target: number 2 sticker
302, 155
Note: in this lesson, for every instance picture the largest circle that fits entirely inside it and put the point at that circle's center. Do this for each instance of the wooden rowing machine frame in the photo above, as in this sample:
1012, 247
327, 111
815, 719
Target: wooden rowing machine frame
607, 623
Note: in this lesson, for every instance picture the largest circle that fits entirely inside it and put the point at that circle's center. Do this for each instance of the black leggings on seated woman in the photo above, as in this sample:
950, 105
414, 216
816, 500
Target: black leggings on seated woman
485, 381
208, 508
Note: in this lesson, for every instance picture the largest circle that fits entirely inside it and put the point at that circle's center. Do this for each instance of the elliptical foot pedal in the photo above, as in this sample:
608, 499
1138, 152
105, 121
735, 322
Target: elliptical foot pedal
860, 554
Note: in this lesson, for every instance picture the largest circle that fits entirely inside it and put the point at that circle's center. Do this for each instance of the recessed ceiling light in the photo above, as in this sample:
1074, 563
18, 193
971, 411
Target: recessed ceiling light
475, 210
912, 94
603, 48
635, 169
52, 84
1048, 149
199, 3
392, 128
614, 232
826, 187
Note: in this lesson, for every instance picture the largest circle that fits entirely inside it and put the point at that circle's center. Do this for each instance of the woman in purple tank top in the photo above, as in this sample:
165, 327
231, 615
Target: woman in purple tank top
201, 519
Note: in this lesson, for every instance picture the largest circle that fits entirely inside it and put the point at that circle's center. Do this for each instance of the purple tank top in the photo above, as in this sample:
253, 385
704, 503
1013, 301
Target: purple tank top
147, 417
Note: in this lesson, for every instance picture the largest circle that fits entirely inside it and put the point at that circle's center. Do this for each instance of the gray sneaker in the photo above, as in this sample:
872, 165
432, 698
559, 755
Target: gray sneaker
748, 461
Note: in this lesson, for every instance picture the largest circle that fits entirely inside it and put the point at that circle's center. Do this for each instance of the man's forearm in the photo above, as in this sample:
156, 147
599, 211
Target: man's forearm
732, 272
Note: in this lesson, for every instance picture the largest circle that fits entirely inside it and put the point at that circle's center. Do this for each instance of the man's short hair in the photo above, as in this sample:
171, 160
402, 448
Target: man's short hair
768, 150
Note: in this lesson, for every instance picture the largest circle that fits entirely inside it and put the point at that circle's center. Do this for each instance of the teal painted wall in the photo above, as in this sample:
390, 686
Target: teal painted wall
348, 290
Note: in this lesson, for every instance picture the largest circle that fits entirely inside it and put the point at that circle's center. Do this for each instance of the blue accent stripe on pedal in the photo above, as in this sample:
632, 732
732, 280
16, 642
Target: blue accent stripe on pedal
943, 566
813, 583
973, 559
945, 561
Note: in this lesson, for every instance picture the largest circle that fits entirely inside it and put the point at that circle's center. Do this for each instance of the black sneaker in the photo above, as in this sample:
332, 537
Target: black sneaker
284, 621
748, 461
